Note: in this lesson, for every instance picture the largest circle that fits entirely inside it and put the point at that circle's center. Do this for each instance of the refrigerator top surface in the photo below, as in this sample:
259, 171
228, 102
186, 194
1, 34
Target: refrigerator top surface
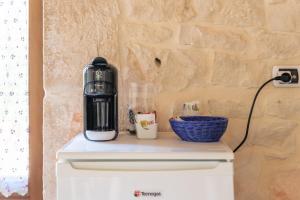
127, 147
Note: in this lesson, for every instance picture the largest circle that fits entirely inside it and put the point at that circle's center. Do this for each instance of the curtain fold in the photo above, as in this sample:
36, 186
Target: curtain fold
14, 128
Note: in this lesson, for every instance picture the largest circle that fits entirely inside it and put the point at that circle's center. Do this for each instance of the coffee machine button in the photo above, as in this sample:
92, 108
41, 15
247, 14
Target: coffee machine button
99, 75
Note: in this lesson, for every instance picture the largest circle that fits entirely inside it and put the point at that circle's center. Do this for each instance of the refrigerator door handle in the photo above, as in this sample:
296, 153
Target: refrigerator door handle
143, 166
109, 168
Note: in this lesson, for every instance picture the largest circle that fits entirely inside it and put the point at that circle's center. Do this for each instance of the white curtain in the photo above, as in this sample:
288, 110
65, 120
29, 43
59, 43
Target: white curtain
14, 152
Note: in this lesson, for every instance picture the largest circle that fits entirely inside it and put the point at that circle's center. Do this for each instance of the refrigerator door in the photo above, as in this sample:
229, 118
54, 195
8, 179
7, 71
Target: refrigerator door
128, 180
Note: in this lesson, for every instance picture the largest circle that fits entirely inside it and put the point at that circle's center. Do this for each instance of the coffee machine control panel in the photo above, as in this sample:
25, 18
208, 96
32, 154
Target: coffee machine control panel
98, 75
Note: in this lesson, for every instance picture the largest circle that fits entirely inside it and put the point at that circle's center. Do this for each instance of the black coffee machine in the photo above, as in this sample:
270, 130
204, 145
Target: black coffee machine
100, 101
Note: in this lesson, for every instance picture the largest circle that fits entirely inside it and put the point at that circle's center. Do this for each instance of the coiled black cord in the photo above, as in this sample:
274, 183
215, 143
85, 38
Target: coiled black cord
285, 77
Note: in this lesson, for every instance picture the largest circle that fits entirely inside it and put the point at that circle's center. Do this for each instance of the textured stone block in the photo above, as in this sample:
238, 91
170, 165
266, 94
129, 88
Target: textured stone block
177, 69
277, 136
147, 33
276, 1
232, 108
177, 72
283, 107
140, 64
213, 38
70, 44
285, 185
297, 15
227, 70
183, 68
231, 70
281, 16
231, 12
276, 45
202, 60
157, 10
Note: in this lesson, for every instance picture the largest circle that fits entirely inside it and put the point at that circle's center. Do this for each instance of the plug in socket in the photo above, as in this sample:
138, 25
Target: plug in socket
292, 70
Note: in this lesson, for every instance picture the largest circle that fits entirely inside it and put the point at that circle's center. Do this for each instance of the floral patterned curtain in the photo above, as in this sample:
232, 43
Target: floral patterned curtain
14, 152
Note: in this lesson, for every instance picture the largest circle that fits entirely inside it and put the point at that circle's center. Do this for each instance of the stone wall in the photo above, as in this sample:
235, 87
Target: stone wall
214, 51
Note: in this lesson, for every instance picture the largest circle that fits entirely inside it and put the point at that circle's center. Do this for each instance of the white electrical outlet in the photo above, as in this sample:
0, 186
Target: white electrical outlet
292, 70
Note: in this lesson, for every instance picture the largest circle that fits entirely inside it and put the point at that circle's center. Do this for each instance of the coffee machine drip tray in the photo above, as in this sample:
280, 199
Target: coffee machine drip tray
100, 135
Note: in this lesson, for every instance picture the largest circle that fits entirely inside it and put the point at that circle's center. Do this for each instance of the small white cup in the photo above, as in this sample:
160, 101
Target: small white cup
146, 133
146, 127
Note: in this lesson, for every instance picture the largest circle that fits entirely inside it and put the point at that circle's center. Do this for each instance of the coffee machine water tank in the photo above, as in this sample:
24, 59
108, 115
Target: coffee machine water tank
100, 101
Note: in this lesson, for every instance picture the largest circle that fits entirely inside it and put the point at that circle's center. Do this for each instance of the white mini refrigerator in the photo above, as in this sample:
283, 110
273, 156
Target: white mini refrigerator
128, 169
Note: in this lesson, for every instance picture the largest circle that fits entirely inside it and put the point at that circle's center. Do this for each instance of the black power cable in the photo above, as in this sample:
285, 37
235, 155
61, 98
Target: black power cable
285, 77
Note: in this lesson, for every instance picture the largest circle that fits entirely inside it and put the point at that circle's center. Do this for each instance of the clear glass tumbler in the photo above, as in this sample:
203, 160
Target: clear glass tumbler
142, 98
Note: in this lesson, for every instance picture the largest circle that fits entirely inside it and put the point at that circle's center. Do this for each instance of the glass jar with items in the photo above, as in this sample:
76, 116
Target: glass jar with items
142, 119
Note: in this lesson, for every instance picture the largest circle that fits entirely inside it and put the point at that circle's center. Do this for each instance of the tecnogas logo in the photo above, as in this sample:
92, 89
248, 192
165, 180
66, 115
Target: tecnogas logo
138, 193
